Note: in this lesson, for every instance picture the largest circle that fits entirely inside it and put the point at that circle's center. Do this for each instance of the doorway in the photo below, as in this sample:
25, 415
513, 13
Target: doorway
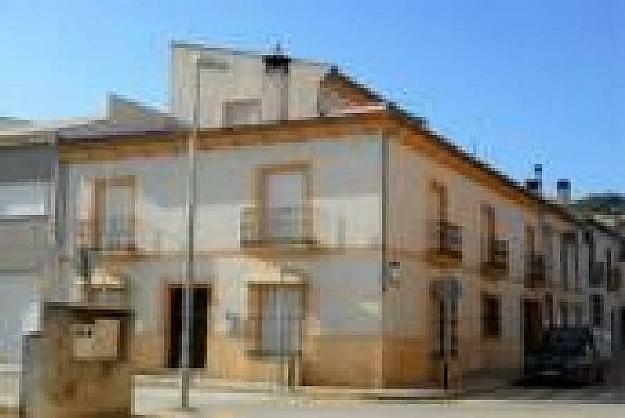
199, 325
532, 324
622, 328
443, 319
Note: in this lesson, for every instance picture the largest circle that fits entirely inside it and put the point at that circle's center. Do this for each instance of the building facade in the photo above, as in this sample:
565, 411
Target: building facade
337, 240
28, 161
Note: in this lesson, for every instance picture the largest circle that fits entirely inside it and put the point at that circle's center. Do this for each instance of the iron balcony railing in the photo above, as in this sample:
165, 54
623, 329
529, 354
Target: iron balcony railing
597, 274
117, 240
95, 283
535, 271
116, 234
615, 278
497, 258
445, 240
276, 226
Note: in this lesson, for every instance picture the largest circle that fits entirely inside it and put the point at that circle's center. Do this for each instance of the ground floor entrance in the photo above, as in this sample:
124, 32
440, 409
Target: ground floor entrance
532, 324
623, 328
199, 325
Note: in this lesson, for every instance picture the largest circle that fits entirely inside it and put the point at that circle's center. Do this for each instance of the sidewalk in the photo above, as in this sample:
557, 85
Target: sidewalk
160, 395
312, 392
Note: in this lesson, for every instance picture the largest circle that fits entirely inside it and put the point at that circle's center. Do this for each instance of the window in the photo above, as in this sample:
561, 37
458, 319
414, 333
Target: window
491, 316
115, 212
285, 203
547, 244
608, 265
588, 236
564, 314
24, 199
488, 232
596, 309
530, 249
241, 112
441, 200
567, 261
277, 311
579, 314
549, 309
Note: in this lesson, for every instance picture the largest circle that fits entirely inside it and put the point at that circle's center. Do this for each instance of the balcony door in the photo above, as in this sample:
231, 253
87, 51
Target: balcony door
115, 212
488, 233
284, 204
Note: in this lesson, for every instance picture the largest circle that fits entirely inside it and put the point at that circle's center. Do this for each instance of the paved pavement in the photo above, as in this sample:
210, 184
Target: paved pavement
473, 409
159, 396
580, 401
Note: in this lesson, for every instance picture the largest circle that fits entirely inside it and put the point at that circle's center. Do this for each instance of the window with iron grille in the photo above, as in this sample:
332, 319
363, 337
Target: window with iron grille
564, 314
596, 310
579, 314
491, 316
277, 312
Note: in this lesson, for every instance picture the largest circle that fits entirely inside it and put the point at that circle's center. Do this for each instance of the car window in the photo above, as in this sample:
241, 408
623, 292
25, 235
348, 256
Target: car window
567, 341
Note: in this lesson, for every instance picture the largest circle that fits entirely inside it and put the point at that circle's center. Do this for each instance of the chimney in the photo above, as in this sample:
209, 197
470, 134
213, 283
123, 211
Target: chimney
533, 186
538, 176
563, 194
276, 85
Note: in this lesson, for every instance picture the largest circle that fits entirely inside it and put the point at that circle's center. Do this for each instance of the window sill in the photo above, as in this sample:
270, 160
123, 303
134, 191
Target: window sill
265, 354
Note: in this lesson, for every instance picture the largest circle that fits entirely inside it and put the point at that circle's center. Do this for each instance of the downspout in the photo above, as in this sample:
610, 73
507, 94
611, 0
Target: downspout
384, 211
384, 250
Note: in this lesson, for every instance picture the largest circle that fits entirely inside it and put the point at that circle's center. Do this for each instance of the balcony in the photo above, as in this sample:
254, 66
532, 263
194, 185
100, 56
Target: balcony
496, 266
535, 270
614, 279
444, 243
96, 284
276, 227
116, 235
597, 274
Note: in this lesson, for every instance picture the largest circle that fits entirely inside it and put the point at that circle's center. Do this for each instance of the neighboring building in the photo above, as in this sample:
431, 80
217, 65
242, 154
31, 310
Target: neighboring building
29, 200
27, 260
338, 240
606, 208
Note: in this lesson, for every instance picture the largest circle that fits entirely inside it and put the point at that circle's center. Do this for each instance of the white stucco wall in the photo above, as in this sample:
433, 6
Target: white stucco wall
346, 184
241, 80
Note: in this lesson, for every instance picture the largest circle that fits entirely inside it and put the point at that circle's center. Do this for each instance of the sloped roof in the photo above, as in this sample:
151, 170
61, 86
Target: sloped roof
420, 125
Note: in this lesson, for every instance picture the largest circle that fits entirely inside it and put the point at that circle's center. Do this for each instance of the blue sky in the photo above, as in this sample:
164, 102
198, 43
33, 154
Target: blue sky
515, 82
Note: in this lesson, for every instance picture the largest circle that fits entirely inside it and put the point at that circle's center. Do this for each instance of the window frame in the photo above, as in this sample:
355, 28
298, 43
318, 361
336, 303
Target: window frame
98, 217
228, 108
256, 304
597, 301
263, 174
44, 194
487, 329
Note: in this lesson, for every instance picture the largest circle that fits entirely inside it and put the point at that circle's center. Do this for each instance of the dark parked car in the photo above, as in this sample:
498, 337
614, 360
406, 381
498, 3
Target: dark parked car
568, 354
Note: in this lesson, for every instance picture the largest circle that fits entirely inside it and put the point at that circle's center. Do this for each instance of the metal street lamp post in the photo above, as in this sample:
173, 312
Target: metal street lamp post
187, 318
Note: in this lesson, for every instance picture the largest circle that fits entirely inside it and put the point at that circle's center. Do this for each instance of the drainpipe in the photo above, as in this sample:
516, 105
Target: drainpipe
384, 246
384, 211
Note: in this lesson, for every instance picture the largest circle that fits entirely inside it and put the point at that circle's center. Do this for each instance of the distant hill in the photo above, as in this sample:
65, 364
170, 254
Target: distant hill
8, 123
607, 208
602, 204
